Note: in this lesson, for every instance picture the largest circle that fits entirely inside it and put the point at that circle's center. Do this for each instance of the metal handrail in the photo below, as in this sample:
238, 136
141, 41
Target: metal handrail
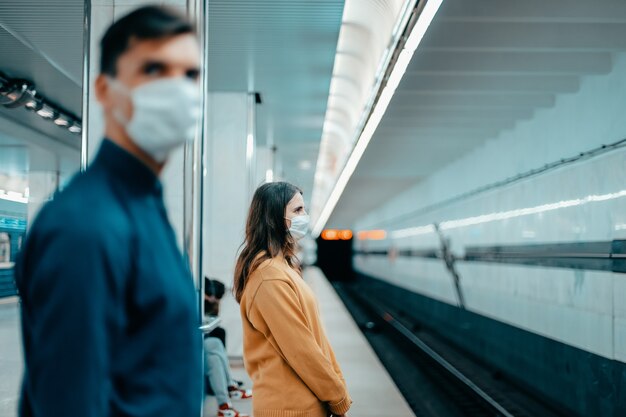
210, 325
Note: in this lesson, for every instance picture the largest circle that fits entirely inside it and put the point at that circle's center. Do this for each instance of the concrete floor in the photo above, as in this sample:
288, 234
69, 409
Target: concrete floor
10, 357
243, 406
11, 365
371, 388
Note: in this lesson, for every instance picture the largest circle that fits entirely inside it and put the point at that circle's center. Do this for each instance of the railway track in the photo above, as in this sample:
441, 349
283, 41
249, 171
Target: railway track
435, 378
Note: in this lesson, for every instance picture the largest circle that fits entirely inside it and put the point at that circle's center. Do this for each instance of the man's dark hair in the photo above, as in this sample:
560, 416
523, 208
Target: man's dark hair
145, 23
214, 287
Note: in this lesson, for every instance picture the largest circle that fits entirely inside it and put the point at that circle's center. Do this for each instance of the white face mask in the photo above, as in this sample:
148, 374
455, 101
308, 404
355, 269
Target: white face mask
165, 114
299, 226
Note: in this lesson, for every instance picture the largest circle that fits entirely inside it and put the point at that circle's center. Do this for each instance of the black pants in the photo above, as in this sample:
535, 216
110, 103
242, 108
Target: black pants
218, 332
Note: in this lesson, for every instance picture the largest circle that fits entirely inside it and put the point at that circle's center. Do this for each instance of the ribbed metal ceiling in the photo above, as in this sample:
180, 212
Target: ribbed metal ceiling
285, 50
49, 32
42, 41
368, 34
483, 66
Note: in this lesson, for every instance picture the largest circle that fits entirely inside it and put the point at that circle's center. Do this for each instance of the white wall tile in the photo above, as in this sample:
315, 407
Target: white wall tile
576, 307
226, 192
620, 339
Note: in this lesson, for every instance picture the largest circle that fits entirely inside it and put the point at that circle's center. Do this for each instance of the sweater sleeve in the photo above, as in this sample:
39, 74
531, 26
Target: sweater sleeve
276, 311
336, 366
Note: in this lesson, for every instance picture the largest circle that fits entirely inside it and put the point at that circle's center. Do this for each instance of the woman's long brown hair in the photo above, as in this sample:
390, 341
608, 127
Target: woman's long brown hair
267, 234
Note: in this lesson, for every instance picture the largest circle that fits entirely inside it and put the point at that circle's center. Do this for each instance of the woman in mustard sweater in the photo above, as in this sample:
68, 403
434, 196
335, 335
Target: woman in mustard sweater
286, 352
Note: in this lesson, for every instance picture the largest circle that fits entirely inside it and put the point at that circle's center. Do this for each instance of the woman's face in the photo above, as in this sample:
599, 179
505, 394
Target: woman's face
294, 208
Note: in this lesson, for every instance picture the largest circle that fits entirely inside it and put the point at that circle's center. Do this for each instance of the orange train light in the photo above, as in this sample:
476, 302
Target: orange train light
334, 234
371, 235
330, 234
345, 234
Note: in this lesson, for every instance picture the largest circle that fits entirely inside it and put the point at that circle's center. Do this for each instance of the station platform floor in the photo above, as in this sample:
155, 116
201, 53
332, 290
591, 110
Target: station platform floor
10, 356
370, 386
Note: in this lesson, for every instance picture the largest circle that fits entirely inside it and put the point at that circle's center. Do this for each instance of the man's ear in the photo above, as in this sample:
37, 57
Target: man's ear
102, 89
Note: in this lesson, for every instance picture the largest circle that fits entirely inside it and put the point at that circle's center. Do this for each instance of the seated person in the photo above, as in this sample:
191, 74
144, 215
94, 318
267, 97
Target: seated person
217, 368
213, 292
217, 371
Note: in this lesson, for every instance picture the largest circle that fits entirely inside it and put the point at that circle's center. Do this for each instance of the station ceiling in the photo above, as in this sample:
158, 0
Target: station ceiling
42, 42
282, 49
483, 66
285, 50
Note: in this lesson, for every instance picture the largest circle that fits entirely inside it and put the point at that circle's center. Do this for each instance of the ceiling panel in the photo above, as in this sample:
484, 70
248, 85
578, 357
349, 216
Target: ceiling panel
33, 32
483, 67
42, 42
368, 193
22, 63
285, 50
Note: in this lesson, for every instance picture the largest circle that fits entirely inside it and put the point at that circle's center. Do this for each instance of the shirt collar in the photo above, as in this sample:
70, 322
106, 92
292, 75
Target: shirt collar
127, 167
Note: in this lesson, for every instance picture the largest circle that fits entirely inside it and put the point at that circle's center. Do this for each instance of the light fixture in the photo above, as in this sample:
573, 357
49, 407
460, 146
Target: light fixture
16, 93
304, 165
47, 112
330, 234
345, 234
334, 234
508, 214
62, 120
372, 234
13, 196
249, 146
33, 104
379, 107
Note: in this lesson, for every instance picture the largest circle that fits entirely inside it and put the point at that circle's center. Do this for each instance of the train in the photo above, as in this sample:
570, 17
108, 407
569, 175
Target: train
12, 230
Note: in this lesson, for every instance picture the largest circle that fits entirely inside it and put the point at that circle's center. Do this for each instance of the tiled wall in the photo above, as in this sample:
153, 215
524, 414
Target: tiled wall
226, 191
581, 202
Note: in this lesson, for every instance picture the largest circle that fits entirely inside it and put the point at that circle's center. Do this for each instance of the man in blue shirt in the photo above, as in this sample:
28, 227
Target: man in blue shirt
109, 316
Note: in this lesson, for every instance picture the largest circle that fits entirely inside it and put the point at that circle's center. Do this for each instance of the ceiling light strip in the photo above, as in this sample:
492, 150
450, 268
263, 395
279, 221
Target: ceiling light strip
386, 61
16, 93
400, 65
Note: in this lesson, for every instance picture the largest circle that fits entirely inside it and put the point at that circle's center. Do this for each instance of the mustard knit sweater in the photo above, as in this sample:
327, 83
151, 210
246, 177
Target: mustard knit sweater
286, 352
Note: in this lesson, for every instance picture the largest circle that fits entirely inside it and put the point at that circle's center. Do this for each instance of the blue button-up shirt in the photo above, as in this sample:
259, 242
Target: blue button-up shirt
109, 316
